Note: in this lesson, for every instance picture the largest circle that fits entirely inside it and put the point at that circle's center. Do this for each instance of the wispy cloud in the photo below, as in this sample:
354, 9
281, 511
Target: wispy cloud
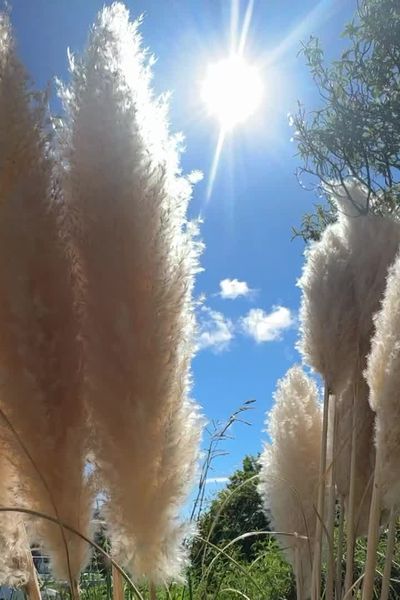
267, 327
216, 331
216, 480
233, 288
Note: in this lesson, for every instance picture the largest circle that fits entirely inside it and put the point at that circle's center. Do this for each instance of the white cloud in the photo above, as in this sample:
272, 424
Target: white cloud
233, 288
267, 327
216, 480
215, 330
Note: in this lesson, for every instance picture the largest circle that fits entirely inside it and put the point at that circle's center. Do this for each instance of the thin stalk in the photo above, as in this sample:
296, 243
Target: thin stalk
330, 519
350, 528
339, 554
299, 587
354, 588
389, 555
373, 534
117, 585
32, 588
152, 591
316, 570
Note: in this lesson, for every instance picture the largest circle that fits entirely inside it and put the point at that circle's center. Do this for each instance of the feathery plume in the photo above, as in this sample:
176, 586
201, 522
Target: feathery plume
383, 376
135, 258
290, 467
373, 242
342, 283
39, 357
327, 309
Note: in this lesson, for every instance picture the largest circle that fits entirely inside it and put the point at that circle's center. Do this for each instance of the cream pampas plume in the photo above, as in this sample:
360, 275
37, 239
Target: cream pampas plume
327, 309
373, 242
134, 266
290, 468
383, 376
39, 358
342, 283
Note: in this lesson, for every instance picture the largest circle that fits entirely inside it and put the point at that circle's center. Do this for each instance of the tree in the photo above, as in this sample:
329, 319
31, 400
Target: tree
356, 131
237, 509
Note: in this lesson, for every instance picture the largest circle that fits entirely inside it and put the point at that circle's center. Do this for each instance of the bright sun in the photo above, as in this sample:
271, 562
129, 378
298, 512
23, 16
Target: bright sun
232, 91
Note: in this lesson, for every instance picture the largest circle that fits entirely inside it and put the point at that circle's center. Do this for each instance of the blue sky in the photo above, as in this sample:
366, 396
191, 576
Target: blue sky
248, 341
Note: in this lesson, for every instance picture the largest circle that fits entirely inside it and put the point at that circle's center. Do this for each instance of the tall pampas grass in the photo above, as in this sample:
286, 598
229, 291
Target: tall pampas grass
382, 374
327, 324
39, 358
135, 258
342, 283
290, 469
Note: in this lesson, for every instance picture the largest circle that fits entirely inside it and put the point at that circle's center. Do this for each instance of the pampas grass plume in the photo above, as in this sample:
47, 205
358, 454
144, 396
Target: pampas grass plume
373, 242
39, 357
327, 325
135, 258
342, 283
290, 467
383, 376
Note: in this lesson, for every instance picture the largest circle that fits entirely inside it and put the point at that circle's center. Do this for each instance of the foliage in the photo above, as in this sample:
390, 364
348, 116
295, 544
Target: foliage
236, 510
356, 130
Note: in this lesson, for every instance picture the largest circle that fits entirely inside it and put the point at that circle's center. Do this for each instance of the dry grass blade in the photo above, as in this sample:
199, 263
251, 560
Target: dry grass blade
222, 552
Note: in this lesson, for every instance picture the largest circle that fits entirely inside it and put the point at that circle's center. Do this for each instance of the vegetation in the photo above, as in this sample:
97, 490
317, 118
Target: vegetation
98, 334
356, 129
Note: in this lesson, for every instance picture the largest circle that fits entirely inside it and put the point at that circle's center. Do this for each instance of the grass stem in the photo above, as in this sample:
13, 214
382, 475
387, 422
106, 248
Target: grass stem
339, 552
330, 519
373, 534
117, 585
316, 570
389, 555
350, 516
152, 592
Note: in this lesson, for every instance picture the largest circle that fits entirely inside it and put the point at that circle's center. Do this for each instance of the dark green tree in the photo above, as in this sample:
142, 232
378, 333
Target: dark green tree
236, 510
356, 130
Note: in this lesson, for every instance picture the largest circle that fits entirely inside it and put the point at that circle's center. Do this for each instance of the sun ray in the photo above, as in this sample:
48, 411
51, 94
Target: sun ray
215, 162
246, 26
